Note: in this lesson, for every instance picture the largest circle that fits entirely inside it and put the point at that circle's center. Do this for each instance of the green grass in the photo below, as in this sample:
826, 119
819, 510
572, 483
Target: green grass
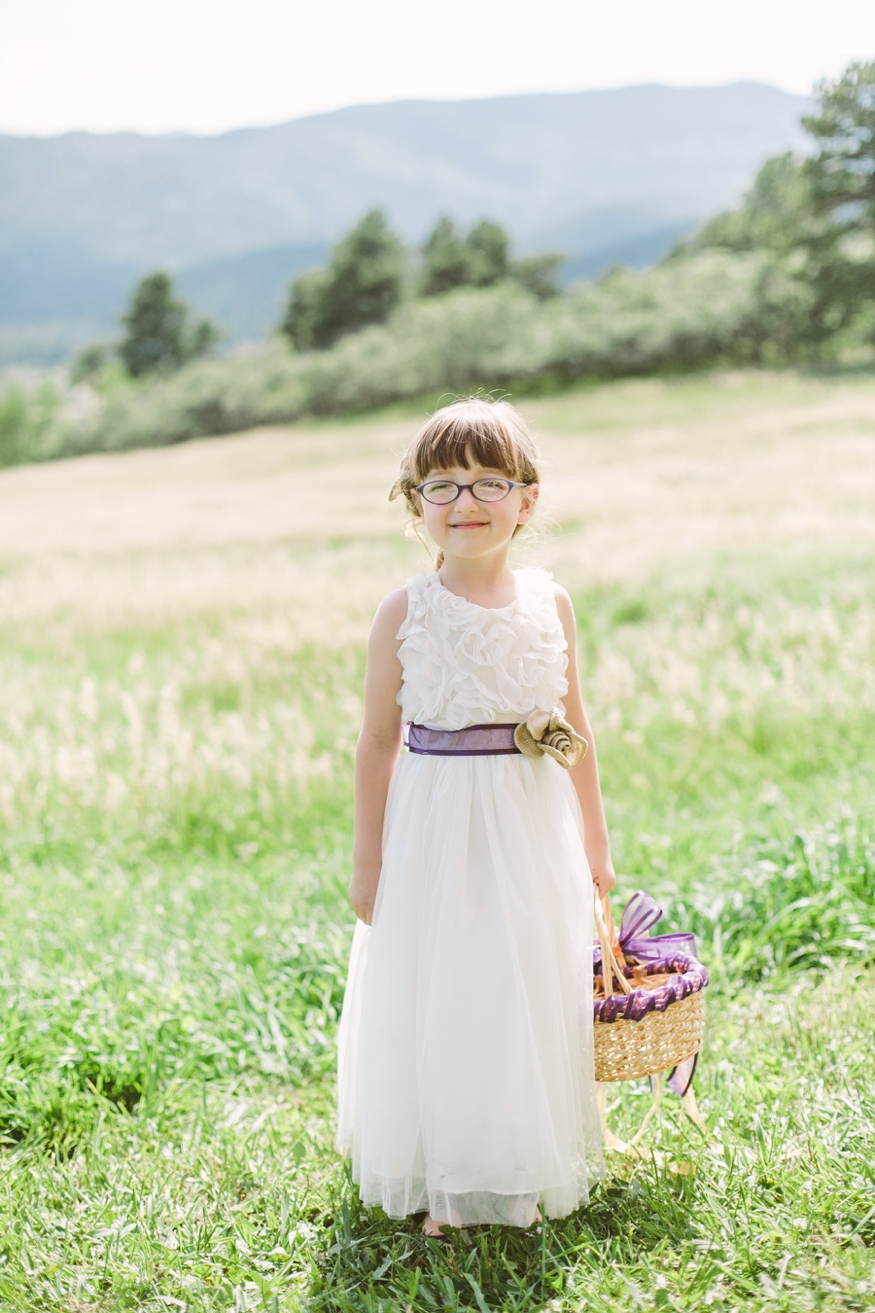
175, 800
173, 977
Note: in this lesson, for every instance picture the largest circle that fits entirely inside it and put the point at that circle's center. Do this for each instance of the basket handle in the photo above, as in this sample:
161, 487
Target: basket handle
604, 922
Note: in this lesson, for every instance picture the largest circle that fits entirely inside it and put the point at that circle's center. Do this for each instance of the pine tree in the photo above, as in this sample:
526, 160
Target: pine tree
159, 334
452, 259
842, 180
447, 259
361, 286
489, 246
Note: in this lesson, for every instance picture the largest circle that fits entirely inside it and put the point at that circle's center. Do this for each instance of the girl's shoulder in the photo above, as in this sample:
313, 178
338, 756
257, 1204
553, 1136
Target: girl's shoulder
536, 580
394, 602
533, 577
560, 592
540, 589
391, 614
400, 610
564, 607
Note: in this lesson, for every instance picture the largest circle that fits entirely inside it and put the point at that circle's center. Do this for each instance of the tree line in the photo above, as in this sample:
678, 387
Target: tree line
368, 275
788, 275
369, 272
814, 218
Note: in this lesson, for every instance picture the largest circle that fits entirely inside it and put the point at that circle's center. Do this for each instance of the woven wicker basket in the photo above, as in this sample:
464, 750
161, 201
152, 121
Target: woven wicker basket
626, 1049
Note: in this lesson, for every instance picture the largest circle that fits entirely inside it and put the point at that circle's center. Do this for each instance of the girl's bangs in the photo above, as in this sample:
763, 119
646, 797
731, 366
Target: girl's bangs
461, 445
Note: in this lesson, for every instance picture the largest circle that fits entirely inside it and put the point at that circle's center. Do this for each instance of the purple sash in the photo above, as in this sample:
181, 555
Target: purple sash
472, 741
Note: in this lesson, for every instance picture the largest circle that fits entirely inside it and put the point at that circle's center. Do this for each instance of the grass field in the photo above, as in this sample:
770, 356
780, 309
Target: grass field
182, 651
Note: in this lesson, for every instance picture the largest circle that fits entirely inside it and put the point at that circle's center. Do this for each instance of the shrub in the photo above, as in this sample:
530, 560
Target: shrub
713, 305
26, 419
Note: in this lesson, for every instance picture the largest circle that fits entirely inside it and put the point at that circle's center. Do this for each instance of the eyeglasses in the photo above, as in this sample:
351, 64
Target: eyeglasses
440, 492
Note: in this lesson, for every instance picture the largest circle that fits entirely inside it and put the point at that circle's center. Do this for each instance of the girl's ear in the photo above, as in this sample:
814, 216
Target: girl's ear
413, 502
530, 496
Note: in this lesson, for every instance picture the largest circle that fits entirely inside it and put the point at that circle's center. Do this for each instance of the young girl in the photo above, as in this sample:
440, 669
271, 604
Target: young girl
465, 1051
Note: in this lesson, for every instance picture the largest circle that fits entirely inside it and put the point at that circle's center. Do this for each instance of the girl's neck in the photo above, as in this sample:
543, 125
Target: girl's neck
488, 583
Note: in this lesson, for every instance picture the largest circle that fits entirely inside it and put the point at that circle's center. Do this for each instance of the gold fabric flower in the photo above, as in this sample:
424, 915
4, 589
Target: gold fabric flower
547, 732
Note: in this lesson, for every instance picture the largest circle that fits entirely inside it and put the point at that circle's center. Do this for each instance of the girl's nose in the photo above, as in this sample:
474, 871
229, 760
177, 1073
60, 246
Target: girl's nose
466, 500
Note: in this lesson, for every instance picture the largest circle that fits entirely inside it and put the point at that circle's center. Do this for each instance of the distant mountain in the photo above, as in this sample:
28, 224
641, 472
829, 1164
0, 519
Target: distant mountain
246, 293
606, 176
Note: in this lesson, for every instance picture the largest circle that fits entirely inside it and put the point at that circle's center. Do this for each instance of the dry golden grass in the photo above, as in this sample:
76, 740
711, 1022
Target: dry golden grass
216, 564
678, 472
641, 475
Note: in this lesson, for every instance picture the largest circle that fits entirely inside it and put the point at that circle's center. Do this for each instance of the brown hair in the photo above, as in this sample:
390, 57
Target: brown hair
474, 431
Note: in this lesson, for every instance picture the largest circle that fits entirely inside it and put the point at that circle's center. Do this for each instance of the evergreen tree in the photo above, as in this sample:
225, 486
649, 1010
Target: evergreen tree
159, 335
361, 286
777, 215
452, 259
447, 259
842, 179
91, 361
301, 319
538, 274
816, 218
489, 245
844, 127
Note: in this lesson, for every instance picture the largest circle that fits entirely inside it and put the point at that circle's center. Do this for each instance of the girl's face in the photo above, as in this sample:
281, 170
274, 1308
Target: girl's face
468, 528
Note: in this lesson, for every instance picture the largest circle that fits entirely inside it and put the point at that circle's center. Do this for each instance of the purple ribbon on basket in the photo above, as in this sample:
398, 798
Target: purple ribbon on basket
640, 913
677, 950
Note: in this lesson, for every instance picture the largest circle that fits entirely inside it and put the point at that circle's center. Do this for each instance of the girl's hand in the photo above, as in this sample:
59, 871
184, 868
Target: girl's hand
363, 895
604, 880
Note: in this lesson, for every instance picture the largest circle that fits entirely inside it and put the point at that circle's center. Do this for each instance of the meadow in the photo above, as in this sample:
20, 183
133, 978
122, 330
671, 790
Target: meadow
182, 634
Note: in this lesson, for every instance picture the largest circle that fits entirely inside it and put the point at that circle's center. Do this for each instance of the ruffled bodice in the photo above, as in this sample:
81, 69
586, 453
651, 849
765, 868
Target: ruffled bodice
466, 664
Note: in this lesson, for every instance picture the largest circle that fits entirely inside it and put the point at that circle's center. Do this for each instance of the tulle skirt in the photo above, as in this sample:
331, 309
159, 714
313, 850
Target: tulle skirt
465, 1048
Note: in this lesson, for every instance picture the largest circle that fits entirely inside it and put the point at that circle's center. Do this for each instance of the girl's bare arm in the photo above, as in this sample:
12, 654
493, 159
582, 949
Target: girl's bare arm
379, 744
585, 776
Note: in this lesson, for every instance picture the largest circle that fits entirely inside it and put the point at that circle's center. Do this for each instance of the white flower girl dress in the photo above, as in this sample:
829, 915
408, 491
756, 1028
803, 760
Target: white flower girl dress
465, 1049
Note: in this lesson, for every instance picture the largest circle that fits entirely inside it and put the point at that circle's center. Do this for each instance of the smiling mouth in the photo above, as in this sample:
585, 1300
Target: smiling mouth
469, 524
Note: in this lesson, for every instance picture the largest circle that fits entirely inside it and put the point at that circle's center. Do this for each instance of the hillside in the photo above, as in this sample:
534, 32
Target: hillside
603, 175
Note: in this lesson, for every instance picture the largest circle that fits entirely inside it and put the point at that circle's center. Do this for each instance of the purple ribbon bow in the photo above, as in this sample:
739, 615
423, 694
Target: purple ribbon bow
640, 913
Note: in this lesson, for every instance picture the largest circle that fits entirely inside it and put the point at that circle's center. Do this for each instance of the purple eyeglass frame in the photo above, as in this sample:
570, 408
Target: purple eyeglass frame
468, 487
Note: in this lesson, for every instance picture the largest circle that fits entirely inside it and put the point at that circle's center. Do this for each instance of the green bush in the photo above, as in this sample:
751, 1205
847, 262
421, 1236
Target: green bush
711, 306
26, 419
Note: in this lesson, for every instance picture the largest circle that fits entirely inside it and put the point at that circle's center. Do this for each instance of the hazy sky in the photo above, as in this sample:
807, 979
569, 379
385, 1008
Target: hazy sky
208, 65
